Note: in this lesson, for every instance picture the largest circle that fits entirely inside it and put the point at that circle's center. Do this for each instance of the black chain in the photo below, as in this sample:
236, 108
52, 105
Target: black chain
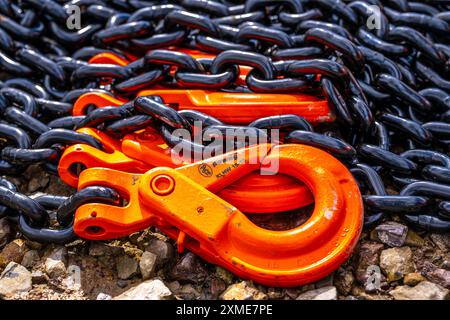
389, 88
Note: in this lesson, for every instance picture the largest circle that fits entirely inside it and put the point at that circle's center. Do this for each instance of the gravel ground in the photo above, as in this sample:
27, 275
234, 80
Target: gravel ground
390, 262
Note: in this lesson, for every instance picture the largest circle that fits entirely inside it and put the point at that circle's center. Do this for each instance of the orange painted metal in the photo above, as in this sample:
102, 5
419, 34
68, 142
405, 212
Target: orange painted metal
229, 107
253, 193
108, 58
139, 152
243, 108
183, 203
90, 157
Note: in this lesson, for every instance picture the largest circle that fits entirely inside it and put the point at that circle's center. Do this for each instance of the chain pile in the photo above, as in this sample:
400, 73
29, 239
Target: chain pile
389, 88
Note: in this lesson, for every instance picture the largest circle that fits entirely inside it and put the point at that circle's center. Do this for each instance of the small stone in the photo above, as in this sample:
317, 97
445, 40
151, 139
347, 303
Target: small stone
412, 279
392, 233
217, 286
13, 251
147, 290
373, 235
413, 239
423, 291
122, 283
163, 250
324, 293
225, 275
38, 277
55, 263
368, 255
30, 258
442, 241
243, 291
292, 293
190, 269
147, 264
5, 232
344, 281
126, 267
440, 277
396, 262
446, 263
73, 280
103, 296
174, 286
14, 279
275, 293
187, 292
99, 249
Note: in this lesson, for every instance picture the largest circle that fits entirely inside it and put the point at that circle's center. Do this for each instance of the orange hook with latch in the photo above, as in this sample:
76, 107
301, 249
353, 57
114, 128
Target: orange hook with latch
183, 203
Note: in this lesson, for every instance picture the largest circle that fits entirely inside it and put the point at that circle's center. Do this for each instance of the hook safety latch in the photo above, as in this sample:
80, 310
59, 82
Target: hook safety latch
183, 203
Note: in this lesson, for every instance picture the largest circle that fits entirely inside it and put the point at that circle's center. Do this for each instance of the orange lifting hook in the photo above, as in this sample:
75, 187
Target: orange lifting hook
141, 151
183, 203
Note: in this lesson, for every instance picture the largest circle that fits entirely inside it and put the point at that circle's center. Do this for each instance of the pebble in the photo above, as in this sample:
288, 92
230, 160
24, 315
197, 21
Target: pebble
425, 290
99, 249
13, 251
275, 293
38, 277
225, 275
126, 267
392, 233
189, 269
103, 296
324, 293
147, 290
163, 250
122, 283
243, 291
30, 259
55, 262
446, 262
5, 232
73, 280
14, 279
442, 241
414, 240
412, 279
439, 276
344, 281
187, 292
147, 264
216, 287
396, 262
292, 293
368, 255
